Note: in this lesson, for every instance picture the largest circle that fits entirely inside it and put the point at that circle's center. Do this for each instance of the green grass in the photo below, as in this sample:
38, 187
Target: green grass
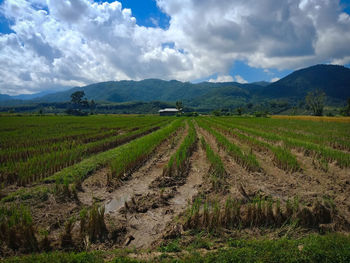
59, 257
333, 248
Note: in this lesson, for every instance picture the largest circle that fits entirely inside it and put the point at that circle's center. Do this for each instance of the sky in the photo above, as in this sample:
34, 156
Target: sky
56, 44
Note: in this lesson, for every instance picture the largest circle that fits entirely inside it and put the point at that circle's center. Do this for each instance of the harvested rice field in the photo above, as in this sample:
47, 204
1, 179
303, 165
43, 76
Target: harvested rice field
118, 188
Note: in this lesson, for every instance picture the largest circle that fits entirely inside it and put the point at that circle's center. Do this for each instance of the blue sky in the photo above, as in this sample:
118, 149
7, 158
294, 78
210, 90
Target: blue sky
59, 44
146, 13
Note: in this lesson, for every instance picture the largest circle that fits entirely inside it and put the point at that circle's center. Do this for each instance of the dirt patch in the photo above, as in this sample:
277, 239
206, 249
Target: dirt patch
142, 203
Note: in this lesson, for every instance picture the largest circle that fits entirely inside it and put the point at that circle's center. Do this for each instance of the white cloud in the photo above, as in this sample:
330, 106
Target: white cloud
77, 42
266, 34
222, 78
240, 79
228, 78
275, 79
80, 42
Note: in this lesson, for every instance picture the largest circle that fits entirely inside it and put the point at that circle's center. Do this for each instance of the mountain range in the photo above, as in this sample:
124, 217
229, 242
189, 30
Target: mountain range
332, 79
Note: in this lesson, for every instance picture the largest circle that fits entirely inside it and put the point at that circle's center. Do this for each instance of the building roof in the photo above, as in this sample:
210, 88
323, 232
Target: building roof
169, 110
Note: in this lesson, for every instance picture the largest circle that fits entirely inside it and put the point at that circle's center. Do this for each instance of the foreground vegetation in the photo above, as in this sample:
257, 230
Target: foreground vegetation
314, 248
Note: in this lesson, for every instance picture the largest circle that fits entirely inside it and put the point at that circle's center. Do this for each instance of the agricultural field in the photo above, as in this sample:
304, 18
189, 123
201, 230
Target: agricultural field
138, 188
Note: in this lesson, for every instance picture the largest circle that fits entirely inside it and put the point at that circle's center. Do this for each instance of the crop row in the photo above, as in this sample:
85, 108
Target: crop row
178, 165
41, 166
334, 135
121, 159
114, 158
217, 172
14, 155
327, 153
248, 161
282, 156
211, 215
27, 132
132, 155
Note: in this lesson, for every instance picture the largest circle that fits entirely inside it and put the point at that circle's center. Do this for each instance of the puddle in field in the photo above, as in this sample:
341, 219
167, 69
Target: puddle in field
124, 194
116, 203
189, 189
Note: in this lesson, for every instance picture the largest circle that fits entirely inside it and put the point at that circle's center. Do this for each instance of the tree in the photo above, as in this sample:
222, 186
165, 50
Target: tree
250, 105
79, 102
315, 100
77, 97
346, 110
217, 113
179, 105
92, 106
239, 111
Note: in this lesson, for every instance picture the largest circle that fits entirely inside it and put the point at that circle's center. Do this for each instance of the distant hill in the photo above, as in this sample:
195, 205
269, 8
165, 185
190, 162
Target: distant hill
333, 80
124, 91
156, 90
261, 83
4, 97
206, 96
225, 96
32, 96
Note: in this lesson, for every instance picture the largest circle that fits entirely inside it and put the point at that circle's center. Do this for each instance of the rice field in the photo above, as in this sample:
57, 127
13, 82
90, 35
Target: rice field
173, 184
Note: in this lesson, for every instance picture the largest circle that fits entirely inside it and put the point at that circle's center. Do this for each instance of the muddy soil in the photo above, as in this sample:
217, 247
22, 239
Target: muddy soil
148, 228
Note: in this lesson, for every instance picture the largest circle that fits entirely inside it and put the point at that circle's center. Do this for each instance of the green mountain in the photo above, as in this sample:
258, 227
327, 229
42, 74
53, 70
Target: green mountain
206, 96
332, 79
125, 90
227, 97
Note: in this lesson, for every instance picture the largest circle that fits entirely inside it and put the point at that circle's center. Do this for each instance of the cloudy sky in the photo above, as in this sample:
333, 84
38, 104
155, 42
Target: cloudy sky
55, 44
